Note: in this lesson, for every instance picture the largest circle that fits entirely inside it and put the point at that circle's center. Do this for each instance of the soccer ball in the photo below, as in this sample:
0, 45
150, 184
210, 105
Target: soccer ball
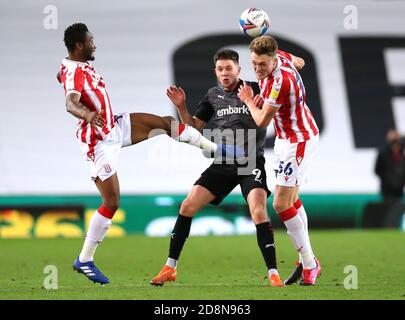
254, 22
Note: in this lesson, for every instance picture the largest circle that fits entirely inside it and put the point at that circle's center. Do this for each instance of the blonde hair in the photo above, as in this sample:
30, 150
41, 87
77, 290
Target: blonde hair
264, 45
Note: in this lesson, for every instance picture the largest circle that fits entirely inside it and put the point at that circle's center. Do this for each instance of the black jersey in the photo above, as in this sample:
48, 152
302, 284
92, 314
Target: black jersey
230, 115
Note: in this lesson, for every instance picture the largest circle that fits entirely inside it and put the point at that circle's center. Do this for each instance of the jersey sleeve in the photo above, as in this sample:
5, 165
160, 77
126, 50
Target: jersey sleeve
205, 110
278, 93
73, 80
285, 55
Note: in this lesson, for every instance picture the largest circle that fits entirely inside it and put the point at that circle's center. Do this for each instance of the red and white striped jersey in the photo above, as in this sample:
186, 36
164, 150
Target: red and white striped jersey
83, 79
285, 90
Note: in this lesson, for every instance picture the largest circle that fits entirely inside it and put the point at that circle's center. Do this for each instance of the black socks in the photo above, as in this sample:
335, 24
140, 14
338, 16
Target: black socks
265, 240
179, 235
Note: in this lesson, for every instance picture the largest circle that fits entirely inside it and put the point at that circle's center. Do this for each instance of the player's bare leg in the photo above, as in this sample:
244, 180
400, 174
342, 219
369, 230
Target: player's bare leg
99, 224
110, 191
195, 200
257, 201
145, 125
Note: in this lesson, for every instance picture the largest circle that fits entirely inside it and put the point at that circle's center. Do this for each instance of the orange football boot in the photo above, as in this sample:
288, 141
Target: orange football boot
275, 281
166, 274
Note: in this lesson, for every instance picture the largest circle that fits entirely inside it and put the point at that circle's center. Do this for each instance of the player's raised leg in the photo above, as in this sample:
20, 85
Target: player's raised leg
100, 222
145, 126
196, 199
257, 200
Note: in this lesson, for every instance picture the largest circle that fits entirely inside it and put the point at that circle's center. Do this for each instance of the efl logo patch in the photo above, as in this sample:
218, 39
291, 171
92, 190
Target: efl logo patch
286, 178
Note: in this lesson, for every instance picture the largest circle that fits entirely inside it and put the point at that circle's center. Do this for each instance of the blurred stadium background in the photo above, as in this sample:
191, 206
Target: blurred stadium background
354, 76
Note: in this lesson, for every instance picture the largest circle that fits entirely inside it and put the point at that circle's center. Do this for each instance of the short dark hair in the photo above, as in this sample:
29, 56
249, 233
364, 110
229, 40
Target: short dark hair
264, 45
74, 33
226, 54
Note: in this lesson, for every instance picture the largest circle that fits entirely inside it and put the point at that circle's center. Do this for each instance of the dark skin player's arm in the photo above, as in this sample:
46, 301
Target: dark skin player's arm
77, 109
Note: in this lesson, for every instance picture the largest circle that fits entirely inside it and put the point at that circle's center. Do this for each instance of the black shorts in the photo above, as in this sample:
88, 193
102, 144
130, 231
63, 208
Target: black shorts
221, 179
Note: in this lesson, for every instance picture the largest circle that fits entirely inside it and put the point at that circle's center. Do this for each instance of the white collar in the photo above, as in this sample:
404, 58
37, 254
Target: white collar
77, 62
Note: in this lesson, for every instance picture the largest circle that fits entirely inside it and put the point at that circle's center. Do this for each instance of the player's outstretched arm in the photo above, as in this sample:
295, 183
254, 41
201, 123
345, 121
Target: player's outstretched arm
178, 97
74, 107
298, 62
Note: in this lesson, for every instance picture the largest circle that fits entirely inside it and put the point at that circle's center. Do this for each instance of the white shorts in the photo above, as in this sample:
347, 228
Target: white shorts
292, 160
106, 152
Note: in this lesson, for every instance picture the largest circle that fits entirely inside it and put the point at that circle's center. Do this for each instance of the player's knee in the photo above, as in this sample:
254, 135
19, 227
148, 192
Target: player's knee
169, 118
113, 203
168, 123
280, 205
113, 206
259, 215
188, 208
258, 210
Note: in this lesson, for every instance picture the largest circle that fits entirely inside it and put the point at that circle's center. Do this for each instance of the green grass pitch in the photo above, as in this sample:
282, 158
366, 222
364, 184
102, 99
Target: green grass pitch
210, 268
